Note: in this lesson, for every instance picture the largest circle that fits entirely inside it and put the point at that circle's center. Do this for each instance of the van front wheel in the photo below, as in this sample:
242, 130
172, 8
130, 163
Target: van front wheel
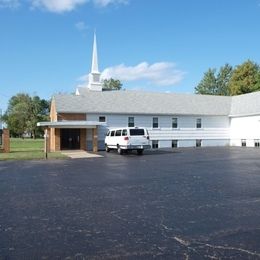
107, 149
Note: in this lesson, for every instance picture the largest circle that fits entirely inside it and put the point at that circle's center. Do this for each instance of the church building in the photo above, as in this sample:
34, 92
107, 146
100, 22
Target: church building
81, 120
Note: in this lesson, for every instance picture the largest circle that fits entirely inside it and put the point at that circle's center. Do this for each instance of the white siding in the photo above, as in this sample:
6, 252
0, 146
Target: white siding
165, 144
218, 142
214, 129
247, 128
187, 143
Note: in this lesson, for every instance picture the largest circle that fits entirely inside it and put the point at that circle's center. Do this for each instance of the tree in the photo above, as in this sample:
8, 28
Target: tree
213, 84
39, 112
208, 85
245, 78
111, 84
16, 116
223, 79
24, 112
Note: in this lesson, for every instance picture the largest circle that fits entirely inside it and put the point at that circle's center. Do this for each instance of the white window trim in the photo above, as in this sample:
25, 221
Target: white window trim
128, 121
102, 121
158, 122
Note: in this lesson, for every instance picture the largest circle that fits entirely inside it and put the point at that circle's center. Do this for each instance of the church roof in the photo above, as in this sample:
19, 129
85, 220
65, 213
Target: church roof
144, 103
247, 104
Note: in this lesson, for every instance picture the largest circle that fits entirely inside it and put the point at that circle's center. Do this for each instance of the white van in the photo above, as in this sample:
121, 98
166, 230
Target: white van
128, 138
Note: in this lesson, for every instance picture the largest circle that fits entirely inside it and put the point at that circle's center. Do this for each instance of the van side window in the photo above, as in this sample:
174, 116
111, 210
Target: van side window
108, 133
118, 132
112, 133
124, 132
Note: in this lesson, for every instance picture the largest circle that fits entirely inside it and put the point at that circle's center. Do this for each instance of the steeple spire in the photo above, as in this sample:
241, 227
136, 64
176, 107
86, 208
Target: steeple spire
94, 76
94, 67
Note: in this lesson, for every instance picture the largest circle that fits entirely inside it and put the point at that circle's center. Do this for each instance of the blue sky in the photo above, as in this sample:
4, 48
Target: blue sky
155, 45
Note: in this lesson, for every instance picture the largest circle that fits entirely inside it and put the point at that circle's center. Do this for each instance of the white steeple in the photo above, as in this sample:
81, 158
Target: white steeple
94, 76
94, 67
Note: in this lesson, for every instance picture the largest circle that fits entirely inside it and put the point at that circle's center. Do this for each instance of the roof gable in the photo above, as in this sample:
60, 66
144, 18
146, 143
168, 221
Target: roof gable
247, 104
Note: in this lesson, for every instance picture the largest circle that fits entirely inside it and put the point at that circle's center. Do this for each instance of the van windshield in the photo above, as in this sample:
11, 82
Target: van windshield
136, 131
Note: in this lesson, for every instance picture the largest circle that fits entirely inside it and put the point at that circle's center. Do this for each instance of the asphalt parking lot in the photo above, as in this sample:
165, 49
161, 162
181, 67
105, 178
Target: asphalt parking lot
184, 204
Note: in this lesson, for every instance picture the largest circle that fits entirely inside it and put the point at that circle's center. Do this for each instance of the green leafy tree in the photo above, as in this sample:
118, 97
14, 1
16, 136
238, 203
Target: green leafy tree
245, 78
39, 112
214, 83
24, 112
111, 84
16, 116
257, 85
223, 79
208, 84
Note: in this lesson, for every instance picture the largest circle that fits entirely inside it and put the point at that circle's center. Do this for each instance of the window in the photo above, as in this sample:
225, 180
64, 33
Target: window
198, 143
108, 133
155, 122
155, 144
118, 132
243, 142
174, 143
257, 143
198, 123
112, 133
174, 122
102, 119
124, 132
131, 121
137, 132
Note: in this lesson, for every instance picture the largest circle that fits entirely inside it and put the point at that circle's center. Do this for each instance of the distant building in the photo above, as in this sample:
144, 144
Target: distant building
81, 120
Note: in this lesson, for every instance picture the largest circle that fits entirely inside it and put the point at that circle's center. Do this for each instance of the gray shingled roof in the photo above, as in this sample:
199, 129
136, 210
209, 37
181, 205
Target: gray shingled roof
247, 104
138, 102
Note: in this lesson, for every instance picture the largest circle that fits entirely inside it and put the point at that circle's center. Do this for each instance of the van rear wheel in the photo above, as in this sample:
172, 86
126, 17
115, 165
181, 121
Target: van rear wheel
140, 151
119, 150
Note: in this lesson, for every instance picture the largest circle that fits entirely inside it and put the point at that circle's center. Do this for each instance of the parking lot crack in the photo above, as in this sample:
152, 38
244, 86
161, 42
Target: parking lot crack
232, 248
113, 213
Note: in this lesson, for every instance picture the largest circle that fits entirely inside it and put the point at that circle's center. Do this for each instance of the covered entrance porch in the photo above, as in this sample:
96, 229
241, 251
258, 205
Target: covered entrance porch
70, 139
70, 135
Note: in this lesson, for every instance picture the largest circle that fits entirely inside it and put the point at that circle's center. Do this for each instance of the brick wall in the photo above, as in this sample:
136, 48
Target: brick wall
57, 139
6, 140
54, 133
53, 112
71, 117
83, 139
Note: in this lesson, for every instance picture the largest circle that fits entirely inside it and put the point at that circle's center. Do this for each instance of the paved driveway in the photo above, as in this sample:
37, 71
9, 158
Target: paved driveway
188, 204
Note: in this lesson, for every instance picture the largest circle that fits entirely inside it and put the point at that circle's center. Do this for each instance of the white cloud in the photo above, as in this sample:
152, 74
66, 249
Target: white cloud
60, 6
81, 26
104, 3
160, 73
9, 4
57, 6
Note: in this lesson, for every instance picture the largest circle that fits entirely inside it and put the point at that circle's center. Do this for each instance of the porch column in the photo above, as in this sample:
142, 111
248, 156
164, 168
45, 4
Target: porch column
83, 139
95, 139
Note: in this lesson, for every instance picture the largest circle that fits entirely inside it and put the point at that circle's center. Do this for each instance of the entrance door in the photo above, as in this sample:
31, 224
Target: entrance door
70, 139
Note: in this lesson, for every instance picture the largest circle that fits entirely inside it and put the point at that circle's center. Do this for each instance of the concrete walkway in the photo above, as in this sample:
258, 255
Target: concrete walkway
78, 154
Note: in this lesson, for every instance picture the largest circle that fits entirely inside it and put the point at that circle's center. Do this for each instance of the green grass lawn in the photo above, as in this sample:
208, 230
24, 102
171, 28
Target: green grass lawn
28, 149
